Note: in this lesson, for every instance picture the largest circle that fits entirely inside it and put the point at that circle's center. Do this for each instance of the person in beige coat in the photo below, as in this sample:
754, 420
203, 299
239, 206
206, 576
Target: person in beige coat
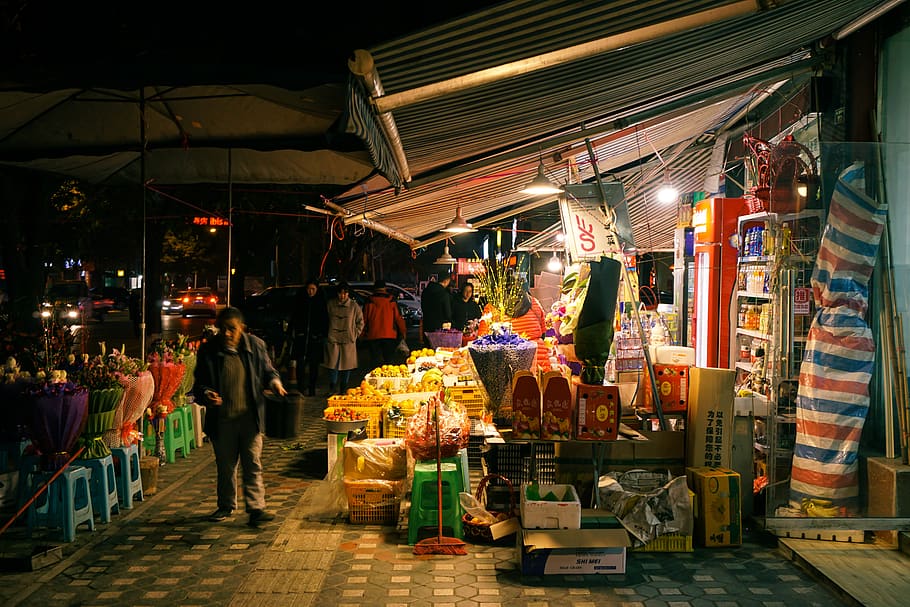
345, 326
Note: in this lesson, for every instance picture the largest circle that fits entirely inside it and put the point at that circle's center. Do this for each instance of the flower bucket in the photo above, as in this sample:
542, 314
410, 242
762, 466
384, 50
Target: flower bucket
59, 413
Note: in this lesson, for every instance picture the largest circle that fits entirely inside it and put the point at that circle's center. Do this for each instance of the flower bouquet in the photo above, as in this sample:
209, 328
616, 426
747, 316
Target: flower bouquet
496, 357
167, 368
138, 389
185, 352
105, 395
14, 418
59, 413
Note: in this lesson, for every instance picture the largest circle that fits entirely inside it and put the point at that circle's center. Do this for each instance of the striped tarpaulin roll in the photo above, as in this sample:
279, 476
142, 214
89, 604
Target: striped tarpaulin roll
833, 396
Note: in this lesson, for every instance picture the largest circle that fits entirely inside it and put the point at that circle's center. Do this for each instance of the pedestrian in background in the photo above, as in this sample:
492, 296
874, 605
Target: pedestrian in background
309, 324
436, 304
345, 326
464, 308
384, 325
232, 371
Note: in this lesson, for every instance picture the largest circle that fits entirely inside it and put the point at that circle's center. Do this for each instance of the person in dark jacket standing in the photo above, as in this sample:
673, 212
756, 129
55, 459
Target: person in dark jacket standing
436, 304
384, 325
310, 324
232, 371
464, 308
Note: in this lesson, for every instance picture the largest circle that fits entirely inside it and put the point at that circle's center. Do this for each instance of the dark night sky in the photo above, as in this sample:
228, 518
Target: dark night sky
49, 42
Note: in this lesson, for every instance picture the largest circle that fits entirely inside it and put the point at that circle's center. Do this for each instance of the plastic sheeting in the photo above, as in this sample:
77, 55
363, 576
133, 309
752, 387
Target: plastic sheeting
833, 396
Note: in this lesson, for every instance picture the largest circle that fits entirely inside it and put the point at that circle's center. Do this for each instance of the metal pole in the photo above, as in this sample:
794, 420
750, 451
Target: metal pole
230, 225
143, 286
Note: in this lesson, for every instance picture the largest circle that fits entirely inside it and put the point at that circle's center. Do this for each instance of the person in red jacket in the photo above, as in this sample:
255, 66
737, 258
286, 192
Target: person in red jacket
384, 325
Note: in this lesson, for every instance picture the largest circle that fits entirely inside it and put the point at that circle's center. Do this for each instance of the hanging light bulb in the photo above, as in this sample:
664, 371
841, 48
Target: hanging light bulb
555, 264
667, 194
541, 184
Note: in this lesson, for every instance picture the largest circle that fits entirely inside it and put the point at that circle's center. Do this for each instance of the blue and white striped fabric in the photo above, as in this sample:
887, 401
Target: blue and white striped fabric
833, 396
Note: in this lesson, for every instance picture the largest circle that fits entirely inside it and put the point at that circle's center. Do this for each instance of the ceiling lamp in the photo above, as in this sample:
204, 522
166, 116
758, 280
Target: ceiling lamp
541, 185
667, 194
555, 263
446, 257
458, 225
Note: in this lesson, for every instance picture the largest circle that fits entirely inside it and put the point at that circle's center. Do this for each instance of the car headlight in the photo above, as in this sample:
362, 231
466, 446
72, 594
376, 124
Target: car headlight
72, 313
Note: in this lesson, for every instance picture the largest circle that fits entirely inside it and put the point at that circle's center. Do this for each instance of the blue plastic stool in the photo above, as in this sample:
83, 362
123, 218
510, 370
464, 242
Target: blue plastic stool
189, 428
28, 465
129, 477
425, 502
67, 503
104, 486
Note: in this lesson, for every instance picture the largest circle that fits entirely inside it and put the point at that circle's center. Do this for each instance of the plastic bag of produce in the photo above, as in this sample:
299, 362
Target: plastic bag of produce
454, 430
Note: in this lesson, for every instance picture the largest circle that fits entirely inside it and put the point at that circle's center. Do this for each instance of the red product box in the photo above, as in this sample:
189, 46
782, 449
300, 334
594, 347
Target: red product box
673, 387
598, 412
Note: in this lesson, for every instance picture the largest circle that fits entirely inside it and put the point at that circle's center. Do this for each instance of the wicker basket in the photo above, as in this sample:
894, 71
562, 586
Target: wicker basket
480, 532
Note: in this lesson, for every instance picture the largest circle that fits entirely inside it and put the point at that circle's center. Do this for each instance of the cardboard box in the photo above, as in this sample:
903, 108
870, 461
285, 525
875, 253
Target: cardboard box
375, 459
672, 386
525, 405
709, 431
557, 408
718, 506
598, 412
573, 552
543, 514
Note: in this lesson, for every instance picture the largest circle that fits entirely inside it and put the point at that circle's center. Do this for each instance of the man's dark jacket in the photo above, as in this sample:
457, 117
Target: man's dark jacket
259, 375
436, 305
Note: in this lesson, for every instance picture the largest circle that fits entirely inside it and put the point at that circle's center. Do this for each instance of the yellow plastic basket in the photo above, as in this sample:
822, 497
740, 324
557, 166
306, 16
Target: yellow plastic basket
668, 543
472, 399
396, 426
373, 502
373, 415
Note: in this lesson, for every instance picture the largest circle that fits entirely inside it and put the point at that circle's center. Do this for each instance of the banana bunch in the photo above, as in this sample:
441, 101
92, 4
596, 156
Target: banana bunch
431, 380
820, 508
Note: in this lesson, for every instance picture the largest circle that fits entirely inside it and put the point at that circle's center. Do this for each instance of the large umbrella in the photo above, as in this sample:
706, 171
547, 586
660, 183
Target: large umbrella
834, 377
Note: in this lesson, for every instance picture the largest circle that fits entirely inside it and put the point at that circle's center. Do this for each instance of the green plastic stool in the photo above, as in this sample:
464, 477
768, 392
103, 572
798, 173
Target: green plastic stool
189, 428
425, 503
175, 436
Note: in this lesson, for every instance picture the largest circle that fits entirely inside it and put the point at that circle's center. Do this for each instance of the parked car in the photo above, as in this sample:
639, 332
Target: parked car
119, 296
198, 301
69, 301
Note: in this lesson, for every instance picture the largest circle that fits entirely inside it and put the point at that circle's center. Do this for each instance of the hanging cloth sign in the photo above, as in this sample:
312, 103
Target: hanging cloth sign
589, 232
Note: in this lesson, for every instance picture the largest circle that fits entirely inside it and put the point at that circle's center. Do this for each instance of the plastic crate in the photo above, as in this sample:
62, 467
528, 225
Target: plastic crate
342, 400
513, 460
473, 399
395, 420
668, 543
373, 415
373, 502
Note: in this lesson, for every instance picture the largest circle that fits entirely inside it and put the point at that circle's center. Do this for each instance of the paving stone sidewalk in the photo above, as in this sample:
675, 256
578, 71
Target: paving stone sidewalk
165, 552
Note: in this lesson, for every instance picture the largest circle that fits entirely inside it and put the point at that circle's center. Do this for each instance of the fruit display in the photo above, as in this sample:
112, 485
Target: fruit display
342, 414
431, 380
391, 371
459, 365
415, 354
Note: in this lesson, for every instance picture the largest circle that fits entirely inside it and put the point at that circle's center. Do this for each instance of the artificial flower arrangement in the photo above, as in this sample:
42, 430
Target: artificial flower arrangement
105, 394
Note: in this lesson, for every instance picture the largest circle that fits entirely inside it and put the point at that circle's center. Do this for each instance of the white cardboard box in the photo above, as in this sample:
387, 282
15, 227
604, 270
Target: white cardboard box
540, 514
575, 551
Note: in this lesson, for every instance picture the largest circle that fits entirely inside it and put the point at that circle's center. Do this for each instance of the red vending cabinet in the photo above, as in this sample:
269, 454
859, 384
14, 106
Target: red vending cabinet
714, 222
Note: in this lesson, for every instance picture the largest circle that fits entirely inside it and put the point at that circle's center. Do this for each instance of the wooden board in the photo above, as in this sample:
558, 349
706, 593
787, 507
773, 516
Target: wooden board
850, 567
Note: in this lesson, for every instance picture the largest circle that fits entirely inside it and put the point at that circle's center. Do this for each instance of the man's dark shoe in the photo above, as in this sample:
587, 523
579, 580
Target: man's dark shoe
260, 516
219, 515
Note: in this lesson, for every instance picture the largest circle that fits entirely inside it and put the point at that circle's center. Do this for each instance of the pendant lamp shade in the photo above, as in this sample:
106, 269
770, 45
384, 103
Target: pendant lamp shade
446, 257
458, 225
541, 184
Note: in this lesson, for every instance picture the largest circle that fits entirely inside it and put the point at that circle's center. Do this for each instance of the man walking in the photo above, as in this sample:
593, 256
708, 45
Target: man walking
232, 370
